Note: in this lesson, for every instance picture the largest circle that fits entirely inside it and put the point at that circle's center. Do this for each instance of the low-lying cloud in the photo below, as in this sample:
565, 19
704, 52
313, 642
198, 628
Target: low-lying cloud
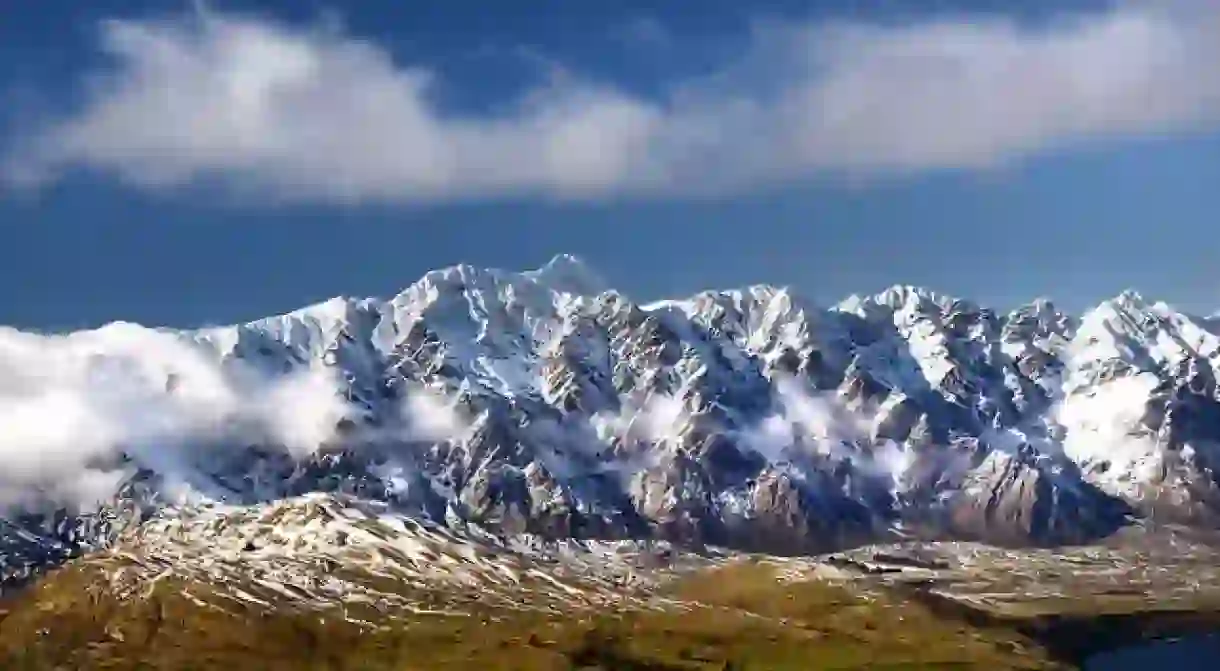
802, 418
80, 410
73, 405
429, 416
821, 424
802, 423
319, 115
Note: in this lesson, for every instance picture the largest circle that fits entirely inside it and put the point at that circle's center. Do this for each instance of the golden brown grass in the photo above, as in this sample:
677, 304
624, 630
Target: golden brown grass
738, 617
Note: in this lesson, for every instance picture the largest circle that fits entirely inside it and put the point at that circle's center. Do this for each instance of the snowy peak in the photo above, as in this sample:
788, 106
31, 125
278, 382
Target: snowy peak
569, 274
759, 318
905, 300
1041, 320
1133, 334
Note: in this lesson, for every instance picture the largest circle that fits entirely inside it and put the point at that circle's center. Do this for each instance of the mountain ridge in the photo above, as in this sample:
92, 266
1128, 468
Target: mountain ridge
569, 273
543, 402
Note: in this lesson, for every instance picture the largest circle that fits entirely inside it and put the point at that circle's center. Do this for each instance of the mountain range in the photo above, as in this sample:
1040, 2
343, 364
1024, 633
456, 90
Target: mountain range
545, 403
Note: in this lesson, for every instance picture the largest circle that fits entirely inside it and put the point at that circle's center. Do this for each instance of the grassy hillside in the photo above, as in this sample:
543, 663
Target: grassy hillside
739, 617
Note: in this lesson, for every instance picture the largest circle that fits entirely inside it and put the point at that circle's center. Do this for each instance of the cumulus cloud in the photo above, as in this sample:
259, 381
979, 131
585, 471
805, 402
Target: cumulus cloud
317, 114
72, 405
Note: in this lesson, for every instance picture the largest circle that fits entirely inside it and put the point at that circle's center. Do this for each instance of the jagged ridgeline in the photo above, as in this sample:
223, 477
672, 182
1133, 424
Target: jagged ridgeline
545, 403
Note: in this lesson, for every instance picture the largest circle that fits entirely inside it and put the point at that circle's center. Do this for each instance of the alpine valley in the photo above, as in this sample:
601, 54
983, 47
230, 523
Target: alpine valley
529, 470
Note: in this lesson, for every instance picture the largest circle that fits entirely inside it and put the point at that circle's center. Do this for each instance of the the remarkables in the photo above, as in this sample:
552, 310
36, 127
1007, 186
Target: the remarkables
544, 402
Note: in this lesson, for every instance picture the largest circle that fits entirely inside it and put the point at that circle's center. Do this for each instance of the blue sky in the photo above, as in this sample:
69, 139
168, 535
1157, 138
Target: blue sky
174, 166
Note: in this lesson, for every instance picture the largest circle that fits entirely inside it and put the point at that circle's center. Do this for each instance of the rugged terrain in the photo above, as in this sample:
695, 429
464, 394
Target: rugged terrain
521, 448
327, 583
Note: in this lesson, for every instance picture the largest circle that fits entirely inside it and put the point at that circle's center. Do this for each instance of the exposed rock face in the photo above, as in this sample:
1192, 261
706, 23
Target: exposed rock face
542, 403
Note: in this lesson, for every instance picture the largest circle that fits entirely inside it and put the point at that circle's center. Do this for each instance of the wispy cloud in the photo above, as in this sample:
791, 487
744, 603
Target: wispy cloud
72, 406
79, 410
322, 115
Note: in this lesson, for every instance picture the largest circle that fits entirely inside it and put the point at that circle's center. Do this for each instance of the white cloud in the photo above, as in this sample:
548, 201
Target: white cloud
955, 94
71, 404
661, 418
316, 113
803, 423
431, 417
816, 420
302, 409
319, 115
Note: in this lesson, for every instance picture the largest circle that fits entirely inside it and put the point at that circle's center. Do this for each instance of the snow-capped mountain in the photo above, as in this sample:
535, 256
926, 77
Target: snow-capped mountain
546, 403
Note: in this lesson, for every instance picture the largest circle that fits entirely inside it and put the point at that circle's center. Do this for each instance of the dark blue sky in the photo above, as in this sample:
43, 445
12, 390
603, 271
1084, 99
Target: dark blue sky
1079, 223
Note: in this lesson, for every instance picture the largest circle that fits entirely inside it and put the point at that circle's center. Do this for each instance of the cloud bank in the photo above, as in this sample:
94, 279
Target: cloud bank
318, 115
73, 405
79, 411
